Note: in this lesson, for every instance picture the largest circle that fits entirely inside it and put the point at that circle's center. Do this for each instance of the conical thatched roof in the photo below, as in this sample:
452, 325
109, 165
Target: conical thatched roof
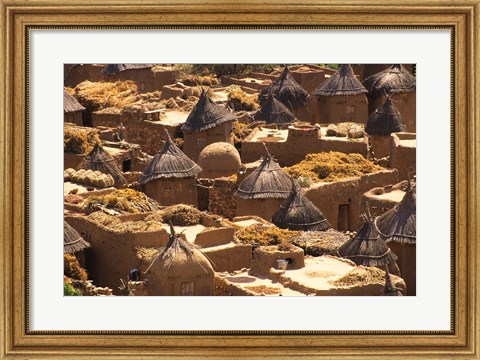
112, 69
395, 79
179, 259
287, 90
72, 240
343, 82
299, 213
367, 247
100, 160
170, 162
385, 120
70, 103
274, 112
207, 114
268, 181
399, 224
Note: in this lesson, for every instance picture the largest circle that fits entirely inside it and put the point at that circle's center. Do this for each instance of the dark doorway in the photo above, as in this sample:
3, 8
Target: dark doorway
127, 165
343, 217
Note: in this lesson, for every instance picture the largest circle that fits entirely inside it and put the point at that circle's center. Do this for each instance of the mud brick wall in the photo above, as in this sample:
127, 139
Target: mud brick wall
221, 199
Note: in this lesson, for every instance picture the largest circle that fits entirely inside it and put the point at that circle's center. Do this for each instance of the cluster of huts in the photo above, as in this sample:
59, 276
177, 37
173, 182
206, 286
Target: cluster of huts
209, 173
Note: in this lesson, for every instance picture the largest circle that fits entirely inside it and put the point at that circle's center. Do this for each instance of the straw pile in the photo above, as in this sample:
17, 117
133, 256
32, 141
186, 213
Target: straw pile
114, 223
79, 140
179, 215
361, 276
195, 80
258, 234
123, 201
72, 268
332, 166
88, 177
239, 100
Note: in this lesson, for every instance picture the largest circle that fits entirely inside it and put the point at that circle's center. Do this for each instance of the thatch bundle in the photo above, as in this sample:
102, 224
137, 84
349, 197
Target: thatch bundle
258, 234
100, 160
268, 181
287, 90
179, 259
274, 112
88, 177
239, 100
343, 82
299, 213
399, 224
112, 69
360, 276
332, 166
385, 120
178, 215
395, 79
70, 104
367, 248
72, 240
207, 114
170, 162
101, 95
78, 140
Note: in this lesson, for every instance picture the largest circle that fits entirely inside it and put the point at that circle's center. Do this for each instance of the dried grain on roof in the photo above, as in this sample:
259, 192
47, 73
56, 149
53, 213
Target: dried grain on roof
395, 79
343, 82
169, 163
332, 166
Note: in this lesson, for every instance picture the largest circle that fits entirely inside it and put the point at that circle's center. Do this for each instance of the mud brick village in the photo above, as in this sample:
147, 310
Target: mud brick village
239, 180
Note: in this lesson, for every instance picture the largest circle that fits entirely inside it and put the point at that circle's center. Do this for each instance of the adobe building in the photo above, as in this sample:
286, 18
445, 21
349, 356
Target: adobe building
381, 123
291, 145
403, 153
398, 226
383, 198
206, 124
180, 269
263, 191
147, 77
395, 82
287, 90
218, 160
341, 98
72, 109
170, 177
299, 213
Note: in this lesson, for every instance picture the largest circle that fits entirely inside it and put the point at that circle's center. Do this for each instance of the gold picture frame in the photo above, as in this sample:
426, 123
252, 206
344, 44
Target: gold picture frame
461, 17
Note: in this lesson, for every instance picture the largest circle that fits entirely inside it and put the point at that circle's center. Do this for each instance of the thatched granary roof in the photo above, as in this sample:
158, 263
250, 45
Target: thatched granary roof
274, 112
70, 103
268, 181
395, 79
399, 224
299, 213
170, 162
367, 248
287, 90
72, 240
179, 259
100, 160
112, 69
343, 82
207, 114
385, 120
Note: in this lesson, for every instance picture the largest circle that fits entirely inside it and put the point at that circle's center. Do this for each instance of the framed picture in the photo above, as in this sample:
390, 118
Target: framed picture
40, 41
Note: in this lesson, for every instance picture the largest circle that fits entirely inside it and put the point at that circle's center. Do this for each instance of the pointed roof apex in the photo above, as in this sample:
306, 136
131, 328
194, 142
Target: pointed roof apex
343, 82
394, 79
385, 120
